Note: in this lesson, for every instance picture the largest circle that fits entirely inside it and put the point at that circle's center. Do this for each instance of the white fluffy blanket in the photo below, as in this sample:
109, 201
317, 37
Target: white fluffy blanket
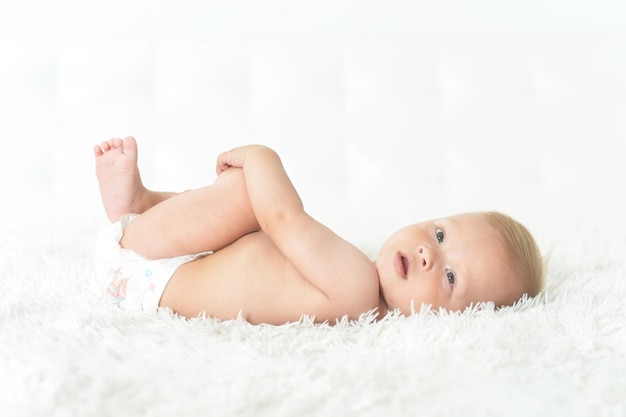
64, 352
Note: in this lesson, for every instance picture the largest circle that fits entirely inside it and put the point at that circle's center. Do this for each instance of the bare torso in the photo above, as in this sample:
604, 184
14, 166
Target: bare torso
253, 278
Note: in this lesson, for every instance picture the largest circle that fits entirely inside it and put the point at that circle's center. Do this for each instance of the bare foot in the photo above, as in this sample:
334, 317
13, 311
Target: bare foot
121, 188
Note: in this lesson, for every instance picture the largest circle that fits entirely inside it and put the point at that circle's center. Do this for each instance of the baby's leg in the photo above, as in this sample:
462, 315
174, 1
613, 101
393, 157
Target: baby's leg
205, 219
120, 184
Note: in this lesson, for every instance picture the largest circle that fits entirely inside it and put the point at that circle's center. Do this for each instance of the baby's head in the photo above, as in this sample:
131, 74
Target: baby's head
459, 260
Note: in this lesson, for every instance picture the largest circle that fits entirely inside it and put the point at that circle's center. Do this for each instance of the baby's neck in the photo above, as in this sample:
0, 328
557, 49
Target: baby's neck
382, 307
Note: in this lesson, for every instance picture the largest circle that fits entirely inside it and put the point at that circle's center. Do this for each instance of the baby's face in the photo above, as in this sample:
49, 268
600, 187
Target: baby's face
450, 263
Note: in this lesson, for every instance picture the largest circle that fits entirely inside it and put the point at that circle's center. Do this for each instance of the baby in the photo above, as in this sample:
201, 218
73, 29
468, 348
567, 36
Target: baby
244, 245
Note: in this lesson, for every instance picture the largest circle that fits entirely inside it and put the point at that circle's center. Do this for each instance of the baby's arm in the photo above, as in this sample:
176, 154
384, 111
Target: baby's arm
272, 195
335, 267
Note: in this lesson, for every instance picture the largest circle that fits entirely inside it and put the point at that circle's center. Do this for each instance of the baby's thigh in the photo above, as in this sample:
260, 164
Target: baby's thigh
205, 219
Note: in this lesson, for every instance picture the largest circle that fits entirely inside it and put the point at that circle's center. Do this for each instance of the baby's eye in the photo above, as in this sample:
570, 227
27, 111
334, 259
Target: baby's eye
440, 235
451, 278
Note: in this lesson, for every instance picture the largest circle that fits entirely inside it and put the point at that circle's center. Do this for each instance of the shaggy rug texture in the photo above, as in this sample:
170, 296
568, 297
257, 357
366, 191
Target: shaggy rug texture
64, 352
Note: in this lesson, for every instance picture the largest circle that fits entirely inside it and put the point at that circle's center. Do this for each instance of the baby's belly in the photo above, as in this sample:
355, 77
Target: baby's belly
251, 278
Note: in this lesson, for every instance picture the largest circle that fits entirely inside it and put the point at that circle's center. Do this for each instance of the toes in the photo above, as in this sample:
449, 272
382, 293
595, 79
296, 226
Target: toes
117, 143
130, 145
111, 143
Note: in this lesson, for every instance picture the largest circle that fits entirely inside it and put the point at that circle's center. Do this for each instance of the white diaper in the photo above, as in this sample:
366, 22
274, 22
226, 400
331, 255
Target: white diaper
132, 281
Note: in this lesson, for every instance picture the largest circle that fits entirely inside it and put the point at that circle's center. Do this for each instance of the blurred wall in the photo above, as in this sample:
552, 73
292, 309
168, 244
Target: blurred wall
417, 107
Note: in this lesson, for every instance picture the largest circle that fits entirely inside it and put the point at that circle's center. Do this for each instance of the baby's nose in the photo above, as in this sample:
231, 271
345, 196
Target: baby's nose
425, 257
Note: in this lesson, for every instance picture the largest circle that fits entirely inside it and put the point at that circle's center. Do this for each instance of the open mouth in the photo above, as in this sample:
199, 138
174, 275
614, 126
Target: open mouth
402, 265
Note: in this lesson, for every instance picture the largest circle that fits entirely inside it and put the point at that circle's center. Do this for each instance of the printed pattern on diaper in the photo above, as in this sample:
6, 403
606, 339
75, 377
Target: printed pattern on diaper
116, 289
148, 274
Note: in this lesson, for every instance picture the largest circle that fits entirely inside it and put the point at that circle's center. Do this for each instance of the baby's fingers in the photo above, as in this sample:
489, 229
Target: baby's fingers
227, 160
235, 157
222, 164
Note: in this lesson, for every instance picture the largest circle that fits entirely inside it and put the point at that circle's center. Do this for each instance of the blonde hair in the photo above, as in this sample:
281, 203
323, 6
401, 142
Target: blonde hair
523, 251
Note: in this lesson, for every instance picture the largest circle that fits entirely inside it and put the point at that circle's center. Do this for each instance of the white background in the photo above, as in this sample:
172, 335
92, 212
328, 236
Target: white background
384, 112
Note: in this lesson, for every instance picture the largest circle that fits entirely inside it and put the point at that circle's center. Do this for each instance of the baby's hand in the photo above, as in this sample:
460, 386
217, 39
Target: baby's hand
235, 157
